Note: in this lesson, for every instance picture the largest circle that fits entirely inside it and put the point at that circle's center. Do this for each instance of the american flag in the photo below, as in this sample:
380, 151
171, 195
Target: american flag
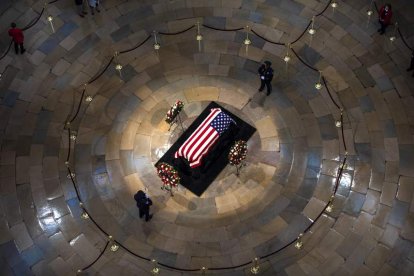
202, 139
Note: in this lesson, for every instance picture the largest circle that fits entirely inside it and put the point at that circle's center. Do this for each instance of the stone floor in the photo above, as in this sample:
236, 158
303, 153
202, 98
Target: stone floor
293, 157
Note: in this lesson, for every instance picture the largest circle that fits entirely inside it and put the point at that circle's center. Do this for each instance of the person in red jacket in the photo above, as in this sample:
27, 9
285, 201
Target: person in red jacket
385, 15
18, 38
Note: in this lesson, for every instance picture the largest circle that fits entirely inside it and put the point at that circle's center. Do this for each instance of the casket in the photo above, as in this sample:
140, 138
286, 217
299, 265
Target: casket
206, 142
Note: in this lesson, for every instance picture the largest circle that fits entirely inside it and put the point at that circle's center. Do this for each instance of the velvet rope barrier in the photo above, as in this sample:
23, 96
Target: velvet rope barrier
97, 258
180, 269
102, 72
218, 29
342, 131
305, 63
403, 39
302, 34
176, 33
79, 105
268, 40
338, 179
214, 268
69, 145
74, 183
8, 50
278, 250
230, 267
223, 30
131, 252
326, 7
137, 46
94, 222
329, 92
35, 21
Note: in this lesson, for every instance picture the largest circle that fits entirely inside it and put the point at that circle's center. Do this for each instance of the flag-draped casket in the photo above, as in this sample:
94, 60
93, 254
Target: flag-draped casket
205, 142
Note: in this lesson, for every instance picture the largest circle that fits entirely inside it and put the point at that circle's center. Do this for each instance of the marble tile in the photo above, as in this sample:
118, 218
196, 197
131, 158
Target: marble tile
266, 128
391, 149
398, 214
405, 189
388, 194
344, 224
21, 237
390, 235
59, 266
371, 201
314, 208
233, 98
362, 176
202, 94
354, 203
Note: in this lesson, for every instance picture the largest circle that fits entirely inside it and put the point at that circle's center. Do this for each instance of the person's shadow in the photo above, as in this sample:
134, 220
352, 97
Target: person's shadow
258, 99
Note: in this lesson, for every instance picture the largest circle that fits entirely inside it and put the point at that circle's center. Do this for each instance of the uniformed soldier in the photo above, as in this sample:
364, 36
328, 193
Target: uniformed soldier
266, 76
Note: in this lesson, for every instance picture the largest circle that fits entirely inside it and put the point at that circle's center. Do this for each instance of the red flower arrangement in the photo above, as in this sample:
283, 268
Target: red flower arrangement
237, 152
169, 176
173, 112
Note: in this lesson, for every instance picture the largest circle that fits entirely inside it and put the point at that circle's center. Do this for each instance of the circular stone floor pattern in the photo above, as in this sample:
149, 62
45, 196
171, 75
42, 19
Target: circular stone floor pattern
293, 157
233, 215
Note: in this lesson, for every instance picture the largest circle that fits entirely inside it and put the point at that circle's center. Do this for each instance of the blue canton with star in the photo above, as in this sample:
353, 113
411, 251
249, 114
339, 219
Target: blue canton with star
222, 122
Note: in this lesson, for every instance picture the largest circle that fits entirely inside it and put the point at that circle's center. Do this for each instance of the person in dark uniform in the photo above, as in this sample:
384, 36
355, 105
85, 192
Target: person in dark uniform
411, 63
266, 76
143, 204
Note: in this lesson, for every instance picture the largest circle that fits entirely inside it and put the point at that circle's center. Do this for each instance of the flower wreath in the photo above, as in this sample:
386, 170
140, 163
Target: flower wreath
169, 176
173, 112
237, 152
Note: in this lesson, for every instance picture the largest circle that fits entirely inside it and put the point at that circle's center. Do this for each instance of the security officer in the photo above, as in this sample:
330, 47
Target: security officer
266, 76
143, 204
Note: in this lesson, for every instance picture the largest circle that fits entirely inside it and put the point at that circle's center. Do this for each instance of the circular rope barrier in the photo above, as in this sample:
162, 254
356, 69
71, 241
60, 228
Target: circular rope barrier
72, 176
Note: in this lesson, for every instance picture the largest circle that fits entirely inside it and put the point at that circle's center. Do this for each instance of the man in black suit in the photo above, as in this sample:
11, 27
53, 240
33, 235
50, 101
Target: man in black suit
266, 76
143, 204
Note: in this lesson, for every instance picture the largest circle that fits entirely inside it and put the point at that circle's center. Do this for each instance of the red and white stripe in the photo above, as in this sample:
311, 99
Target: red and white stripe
200, 141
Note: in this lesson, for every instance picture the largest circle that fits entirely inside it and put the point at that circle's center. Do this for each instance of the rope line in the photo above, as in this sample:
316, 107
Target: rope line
340, 172
268, 40
305, 63
342, 131
329, 92
176, 33
403, 39
139, 45
35, 21
79, 105
302, 34
68, 156
223, 30
326, 7
97, 258
102, 72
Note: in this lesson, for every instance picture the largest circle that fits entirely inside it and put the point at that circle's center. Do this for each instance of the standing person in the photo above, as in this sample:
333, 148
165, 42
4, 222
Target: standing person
143, 204
384, 19
266, 76
411, 63
94, 5
18, 38
79, 6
